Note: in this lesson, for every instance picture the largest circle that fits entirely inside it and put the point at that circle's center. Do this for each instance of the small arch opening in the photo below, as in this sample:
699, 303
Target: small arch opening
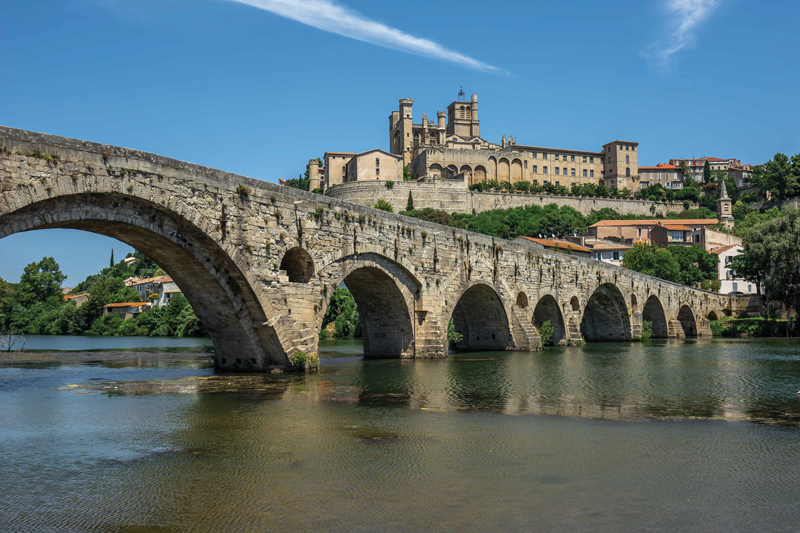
575, 304
298, 265
522, 300
634, 303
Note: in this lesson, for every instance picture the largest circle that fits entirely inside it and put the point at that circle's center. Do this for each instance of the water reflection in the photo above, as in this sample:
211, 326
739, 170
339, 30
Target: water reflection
369, 445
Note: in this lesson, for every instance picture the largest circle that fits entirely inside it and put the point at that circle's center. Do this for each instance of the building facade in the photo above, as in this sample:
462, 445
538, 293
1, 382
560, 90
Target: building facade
668, 176
728, 282
452, 146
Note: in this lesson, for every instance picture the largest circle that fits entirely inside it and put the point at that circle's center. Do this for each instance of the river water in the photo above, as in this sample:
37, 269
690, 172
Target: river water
668, 436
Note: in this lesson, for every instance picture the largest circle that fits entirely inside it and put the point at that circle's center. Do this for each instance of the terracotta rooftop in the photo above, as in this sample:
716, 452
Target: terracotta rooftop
157, 279
608, 246
657, 222
127, 304
724, 248
561, 245
677, 227
660, 166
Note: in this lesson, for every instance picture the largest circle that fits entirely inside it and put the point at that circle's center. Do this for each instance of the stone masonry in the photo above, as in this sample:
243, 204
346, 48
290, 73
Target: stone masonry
259, 261
452, 196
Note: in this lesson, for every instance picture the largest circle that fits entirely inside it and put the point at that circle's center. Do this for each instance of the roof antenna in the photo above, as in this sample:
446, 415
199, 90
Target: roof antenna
461, 94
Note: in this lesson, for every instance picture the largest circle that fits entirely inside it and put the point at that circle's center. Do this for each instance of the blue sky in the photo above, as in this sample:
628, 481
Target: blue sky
257, 87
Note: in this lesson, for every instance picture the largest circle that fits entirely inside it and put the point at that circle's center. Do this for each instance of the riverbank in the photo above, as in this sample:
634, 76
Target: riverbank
754, 327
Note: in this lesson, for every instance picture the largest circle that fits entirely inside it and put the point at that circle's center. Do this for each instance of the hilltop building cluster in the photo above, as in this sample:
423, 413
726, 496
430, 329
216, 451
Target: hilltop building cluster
452, 147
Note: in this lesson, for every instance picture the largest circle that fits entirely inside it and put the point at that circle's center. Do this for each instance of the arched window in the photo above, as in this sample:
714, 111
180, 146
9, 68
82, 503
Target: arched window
461, 112
627, 172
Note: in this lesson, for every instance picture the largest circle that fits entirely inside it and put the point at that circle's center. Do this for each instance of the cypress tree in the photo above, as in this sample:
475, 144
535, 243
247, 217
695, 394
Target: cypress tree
111, 264
707, 172
410, 204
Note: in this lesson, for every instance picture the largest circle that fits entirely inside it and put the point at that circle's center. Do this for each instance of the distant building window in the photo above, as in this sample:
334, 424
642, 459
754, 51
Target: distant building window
591, 160
627, 172
536, 182
627, 160
377, 162
615, 256
572, 173
591, 173
556, 171
344, 170
556, 157
544, 170
565, 171
584, 172
545, 182
525, 164
572, 158
558, 184
544, 155
377, 172
534, 155
535, 170
584, 159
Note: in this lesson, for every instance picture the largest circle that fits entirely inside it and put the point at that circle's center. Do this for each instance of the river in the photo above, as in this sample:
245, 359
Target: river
696, 435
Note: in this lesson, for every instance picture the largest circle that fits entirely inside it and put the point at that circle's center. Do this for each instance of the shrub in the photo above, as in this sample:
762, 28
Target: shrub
647, 330
304, 361
383, 205
452, 335
546, 333
389, 184
242, 190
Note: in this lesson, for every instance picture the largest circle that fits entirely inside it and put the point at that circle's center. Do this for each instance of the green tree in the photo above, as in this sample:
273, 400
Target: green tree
707, 177
111, 263
343, 313
407, 176
779, 177
383, 205
410, 203
39, 281
652, 260
771, 254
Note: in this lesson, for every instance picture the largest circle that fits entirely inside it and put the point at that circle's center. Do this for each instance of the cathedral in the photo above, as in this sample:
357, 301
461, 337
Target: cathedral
452, 147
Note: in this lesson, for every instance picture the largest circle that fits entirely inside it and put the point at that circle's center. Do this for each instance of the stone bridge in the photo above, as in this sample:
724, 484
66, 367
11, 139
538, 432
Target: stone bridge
259, 262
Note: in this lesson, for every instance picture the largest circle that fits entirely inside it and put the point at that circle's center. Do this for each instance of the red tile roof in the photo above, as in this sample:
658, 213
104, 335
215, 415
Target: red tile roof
724, 248
127, 304
677, 228
660, 166
562, 245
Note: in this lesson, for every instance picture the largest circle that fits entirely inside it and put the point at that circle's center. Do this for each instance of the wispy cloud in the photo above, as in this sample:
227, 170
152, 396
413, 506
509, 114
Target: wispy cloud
685, 18
335, 18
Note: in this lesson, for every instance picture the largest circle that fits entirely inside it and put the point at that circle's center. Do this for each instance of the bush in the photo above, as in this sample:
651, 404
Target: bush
546, 333
389, 184
383, 205
647, 330
304, 361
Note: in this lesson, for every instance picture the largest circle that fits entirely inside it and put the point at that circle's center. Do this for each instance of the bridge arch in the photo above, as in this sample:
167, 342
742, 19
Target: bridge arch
298, 264
480, 316
653, 312
688, 321
547, 308
713, 315
605, 317
205, 267
384, 293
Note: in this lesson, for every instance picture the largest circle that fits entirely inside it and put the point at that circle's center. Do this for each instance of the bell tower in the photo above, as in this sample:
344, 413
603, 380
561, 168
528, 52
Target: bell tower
724, 207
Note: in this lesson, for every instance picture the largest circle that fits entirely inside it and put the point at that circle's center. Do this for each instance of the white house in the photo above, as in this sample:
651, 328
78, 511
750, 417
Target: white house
728, 283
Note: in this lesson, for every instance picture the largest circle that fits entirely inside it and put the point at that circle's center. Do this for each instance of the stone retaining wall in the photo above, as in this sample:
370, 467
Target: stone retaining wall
452, 196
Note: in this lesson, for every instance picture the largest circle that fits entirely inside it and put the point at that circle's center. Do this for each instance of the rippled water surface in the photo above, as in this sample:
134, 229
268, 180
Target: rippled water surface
671, 436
